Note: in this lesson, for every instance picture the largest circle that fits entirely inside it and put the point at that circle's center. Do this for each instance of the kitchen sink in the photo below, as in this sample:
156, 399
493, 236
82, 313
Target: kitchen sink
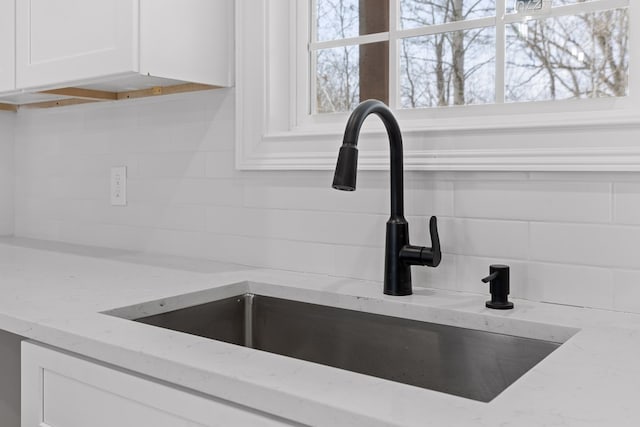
463, 362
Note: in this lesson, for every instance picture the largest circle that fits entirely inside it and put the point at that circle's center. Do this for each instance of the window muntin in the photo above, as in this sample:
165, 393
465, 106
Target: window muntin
477, 55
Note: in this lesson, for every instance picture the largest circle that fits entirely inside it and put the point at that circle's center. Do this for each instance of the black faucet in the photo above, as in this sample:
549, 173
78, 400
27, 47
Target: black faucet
399, 254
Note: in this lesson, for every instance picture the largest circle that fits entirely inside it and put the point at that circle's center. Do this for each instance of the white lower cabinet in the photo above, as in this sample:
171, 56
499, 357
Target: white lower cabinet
60, 390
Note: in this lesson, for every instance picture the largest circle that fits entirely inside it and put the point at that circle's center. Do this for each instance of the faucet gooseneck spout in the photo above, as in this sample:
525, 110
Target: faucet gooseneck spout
399, 254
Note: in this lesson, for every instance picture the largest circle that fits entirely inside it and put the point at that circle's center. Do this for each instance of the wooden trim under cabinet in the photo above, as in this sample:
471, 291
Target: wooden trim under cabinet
76, 95
8, 107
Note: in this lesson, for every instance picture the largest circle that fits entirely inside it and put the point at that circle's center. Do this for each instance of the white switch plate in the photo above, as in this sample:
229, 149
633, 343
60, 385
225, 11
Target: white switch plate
119, 186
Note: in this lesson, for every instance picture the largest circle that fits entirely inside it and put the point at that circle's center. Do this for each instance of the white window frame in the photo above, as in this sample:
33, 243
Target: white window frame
274, 130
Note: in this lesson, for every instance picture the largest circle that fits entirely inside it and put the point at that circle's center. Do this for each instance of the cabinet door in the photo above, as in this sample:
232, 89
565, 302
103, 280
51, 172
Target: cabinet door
60, 390
64, 40
7, 45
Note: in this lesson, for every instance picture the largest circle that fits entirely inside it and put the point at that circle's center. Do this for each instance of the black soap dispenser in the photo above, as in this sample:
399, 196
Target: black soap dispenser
499, 287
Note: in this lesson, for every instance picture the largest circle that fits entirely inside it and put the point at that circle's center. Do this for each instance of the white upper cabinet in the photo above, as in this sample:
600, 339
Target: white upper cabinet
187, 40
79, 42
7, 43
67, 40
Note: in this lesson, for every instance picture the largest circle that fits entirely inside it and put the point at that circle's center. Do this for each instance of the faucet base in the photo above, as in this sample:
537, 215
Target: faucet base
397, 294
397, 274
499, 305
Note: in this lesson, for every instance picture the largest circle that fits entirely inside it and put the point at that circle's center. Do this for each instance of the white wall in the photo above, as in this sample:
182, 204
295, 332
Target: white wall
570, 238
7, 122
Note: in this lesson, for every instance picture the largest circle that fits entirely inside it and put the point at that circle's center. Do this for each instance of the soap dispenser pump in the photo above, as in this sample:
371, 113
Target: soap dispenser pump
499, 287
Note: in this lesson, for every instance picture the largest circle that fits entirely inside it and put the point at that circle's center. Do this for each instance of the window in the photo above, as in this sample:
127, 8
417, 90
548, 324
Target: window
466, 52
475, 84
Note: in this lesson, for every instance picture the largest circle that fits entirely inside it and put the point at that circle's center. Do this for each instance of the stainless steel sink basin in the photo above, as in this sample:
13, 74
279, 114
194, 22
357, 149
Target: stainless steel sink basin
464, 362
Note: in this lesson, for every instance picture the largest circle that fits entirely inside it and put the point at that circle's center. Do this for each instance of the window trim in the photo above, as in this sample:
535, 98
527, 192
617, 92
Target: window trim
274, 131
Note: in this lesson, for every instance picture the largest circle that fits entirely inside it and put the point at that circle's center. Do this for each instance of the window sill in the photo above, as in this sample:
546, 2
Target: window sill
591, 142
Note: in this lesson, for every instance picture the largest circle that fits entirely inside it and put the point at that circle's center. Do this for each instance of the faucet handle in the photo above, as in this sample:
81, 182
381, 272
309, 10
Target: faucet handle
421, 255
436, 254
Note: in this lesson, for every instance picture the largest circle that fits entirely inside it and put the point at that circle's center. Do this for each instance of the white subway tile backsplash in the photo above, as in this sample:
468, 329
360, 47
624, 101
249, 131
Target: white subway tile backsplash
310, 226
494, 239
208, 136
69, 187
185, 243
573, 285
213, 192
220, 164
426, 198
445, 276
569, 237
294, 194
51, 121
177, 164
90, 166
135, 214
589, 245
206, 192
271, 253
626, 202
167, 112
153, 140
34, 223
312, 191
42, 187
41, 143
358, 262
110, 235
534, 201
90, 143
102, 119
176, 217
40, 166
626, 290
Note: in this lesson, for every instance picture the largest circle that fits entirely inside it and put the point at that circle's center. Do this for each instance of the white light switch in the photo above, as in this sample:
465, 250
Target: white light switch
119, 186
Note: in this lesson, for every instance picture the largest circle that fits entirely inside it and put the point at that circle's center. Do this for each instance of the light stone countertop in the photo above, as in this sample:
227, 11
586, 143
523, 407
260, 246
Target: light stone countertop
55, 293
